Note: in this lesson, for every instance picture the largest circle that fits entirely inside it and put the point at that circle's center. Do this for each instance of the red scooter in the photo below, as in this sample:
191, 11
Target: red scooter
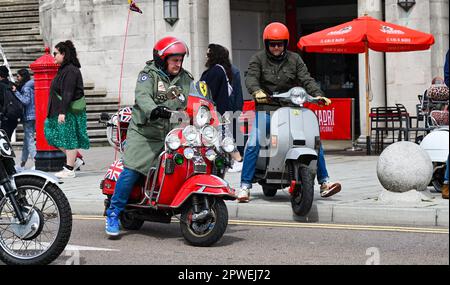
188, 179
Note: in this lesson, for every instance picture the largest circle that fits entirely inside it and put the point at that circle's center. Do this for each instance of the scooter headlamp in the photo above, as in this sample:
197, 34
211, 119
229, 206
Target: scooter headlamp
228, 145
191, 135
188, 153
173, 142
202, 117
209, 135
298, 96
211, 155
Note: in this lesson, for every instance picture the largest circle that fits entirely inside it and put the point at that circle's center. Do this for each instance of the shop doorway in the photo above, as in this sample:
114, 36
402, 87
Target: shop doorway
337, 74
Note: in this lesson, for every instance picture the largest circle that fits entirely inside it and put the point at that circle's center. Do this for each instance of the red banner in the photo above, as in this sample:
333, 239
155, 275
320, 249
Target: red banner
335, 119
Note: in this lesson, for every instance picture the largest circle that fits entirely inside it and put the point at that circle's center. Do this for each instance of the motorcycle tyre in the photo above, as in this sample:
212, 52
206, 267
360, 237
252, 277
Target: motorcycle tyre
64, 232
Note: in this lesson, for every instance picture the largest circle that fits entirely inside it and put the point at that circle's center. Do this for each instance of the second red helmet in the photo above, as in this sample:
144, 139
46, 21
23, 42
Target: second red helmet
168, 46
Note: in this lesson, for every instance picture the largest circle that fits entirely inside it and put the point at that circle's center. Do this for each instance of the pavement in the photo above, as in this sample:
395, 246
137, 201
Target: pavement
362, 200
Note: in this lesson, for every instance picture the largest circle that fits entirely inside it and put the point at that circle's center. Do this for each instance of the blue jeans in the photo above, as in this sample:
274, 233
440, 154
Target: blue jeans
124, 186
252, 152
29, 146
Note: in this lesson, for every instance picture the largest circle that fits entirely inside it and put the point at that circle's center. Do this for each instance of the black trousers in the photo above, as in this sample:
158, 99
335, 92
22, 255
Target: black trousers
9, 125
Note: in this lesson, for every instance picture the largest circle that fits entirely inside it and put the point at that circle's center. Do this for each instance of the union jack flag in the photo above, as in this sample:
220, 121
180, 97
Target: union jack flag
125, 115
134, 7
114, 170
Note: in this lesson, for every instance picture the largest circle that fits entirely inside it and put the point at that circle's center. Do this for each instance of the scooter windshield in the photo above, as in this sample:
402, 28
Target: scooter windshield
201, 90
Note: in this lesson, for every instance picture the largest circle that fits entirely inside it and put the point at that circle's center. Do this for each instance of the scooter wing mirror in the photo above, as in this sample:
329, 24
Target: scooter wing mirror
104, 117
226, 118
175, 92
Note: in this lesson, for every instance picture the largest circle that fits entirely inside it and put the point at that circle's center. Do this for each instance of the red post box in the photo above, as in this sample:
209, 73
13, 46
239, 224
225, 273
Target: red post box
48, 158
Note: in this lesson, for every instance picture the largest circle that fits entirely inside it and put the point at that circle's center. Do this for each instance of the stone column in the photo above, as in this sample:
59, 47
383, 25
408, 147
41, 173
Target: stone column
408, 74
377, 96
199, 36
220, 23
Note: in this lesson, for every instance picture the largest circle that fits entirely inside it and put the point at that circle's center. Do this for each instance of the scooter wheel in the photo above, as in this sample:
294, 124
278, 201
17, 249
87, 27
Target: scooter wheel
269, 191
303, 196
129, 222
207, 232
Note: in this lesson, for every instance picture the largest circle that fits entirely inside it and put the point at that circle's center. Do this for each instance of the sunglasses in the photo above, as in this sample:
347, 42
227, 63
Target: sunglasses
276, 44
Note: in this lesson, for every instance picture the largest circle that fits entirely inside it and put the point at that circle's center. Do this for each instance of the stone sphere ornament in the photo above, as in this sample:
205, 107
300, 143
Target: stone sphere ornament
404, 166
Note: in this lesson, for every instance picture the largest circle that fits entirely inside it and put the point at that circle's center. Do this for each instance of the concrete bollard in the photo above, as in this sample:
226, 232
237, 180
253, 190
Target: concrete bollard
404, 166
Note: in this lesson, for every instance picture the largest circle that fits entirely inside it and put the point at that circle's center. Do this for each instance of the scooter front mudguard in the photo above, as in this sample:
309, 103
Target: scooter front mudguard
203, 184
305, 155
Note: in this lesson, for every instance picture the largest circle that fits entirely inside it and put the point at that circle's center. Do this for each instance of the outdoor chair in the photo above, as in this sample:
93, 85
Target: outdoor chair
392, 120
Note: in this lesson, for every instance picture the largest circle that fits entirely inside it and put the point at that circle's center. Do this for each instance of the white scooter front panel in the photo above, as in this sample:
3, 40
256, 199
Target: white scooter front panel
294, 131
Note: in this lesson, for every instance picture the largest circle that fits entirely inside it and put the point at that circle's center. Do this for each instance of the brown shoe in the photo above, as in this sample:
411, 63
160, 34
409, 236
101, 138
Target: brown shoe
328, 189
444, 191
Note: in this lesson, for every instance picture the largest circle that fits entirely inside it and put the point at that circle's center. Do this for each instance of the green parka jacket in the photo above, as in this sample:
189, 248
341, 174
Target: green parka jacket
145, 138
271, 76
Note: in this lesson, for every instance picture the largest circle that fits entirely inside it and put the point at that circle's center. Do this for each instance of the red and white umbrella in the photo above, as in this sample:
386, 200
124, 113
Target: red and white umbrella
362, 34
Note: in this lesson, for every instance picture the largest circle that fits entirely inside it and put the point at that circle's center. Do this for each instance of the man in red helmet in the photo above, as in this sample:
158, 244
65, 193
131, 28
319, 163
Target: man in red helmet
150, 120
275, 69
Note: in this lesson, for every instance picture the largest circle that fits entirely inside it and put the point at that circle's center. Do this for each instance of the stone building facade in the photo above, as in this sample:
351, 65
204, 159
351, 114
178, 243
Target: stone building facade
97, 28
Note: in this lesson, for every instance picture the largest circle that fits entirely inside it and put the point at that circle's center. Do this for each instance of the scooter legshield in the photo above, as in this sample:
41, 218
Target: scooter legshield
203, 184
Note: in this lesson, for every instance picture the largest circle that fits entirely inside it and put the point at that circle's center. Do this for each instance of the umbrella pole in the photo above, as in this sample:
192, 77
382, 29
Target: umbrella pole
368, 142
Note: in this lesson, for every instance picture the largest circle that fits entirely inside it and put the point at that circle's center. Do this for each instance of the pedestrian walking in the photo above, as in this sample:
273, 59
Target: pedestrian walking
11, 109
66, 123
25, 93
219, 77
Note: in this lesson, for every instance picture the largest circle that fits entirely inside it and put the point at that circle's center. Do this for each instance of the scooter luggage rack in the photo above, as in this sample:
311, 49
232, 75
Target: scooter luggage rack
150, 195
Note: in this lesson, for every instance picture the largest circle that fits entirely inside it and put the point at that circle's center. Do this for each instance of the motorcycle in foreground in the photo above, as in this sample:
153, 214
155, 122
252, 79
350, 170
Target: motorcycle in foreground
288, 156
188, 177
436, 142
35, 215
436, 145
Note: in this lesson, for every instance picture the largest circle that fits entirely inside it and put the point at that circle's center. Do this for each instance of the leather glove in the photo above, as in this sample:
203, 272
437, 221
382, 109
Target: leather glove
260, 97
324, 100
160, 112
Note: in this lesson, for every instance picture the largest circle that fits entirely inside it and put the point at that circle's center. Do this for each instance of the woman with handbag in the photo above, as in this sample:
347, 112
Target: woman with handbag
66, 123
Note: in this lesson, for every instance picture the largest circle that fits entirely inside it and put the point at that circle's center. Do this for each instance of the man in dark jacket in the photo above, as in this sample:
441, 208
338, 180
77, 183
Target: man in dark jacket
275, 69
7, 124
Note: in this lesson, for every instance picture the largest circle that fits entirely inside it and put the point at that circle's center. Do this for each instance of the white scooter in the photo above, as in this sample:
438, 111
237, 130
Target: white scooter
436, 145
288, 156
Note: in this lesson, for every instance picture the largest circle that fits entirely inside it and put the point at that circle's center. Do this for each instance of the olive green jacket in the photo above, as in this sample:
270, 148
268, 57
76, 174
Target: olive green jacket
145, 138
270, 76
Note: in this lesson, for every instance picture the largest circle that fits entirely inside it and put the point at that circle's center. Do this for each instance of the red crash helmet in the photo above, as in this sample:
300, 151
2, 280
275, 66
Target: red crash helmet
168, 46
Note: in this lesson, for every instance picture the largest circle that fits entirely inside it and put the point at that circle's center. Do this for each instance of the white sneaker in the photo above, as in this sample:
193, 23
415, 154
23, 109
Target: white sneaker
19, 168
237, 167
65, 173
243, 195
78, 162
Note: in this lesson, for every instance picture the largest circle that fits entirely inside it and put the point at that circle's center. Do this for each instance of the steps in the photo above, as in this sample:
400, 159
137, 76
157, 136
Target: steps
19, 33
22, 44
